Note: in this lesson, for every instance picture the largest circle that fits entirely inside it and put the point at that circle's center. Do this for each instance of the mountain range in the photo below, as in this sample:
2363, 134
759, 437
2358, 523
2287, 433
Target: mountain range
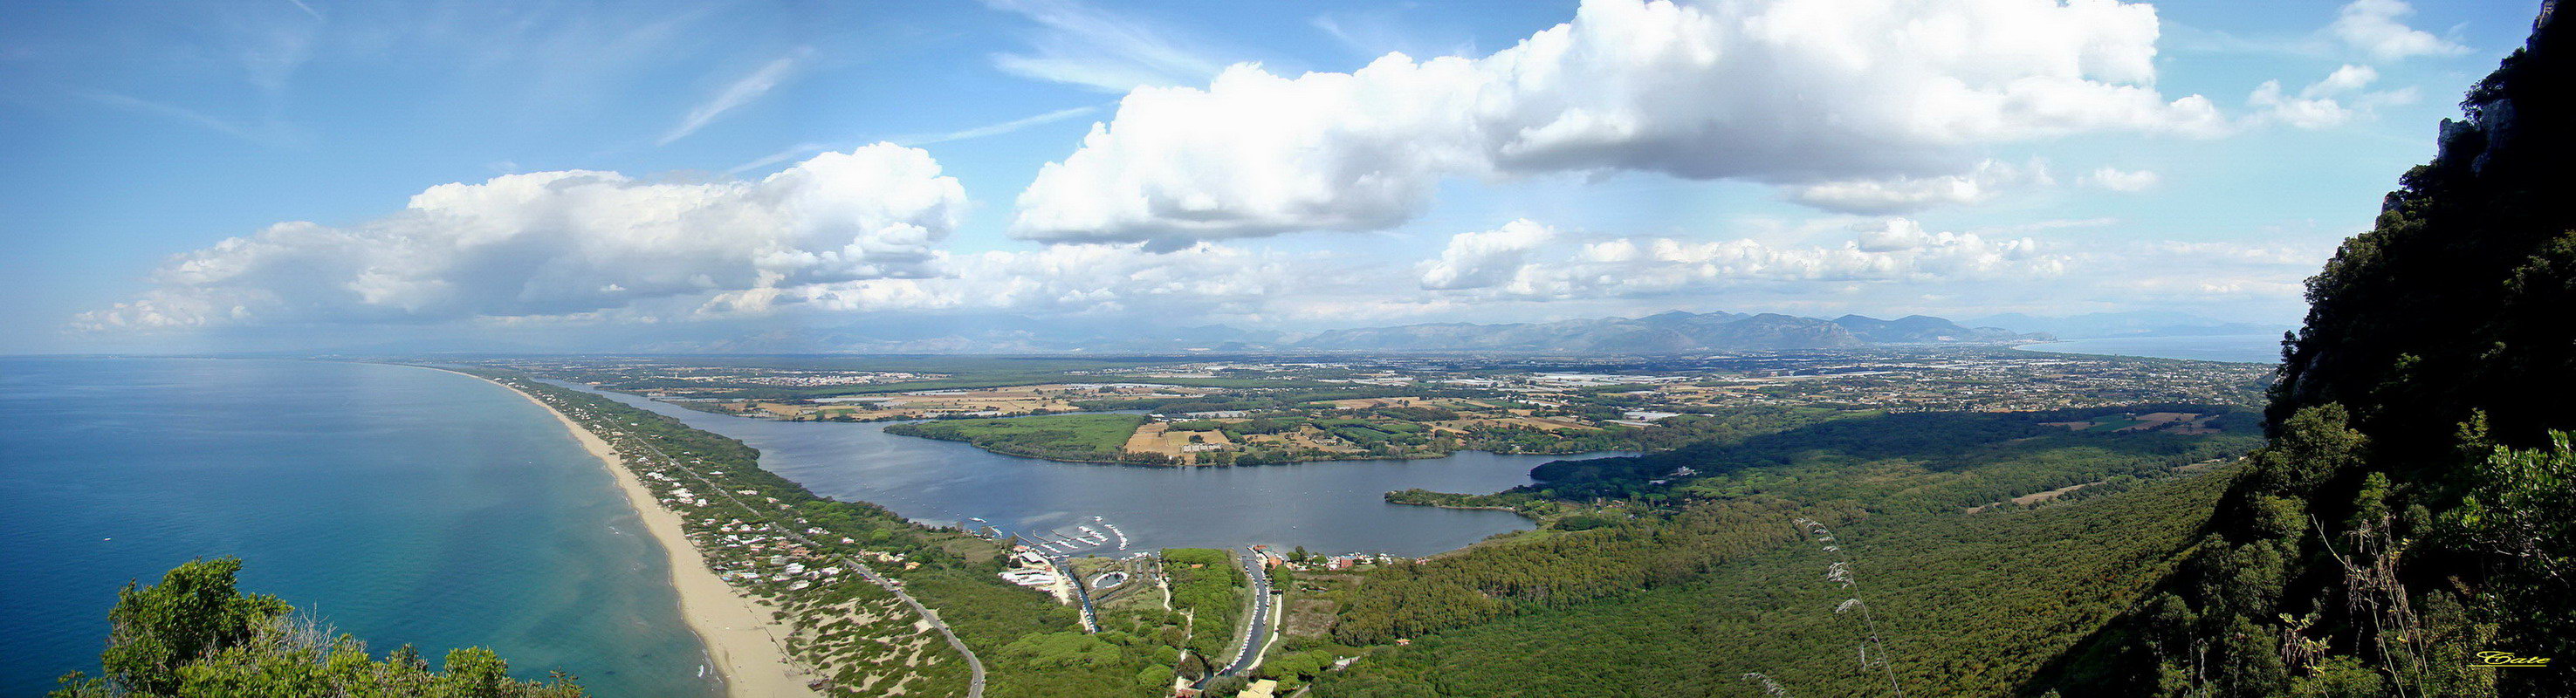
1663, 333
1671, 332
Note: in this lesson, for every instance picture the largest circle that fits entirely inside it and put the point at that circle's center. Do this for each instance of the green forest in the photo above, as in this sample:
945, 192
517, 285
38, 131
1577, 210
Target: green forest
1209, 589
1098, 438
2410, 520
2402, 528
195, 634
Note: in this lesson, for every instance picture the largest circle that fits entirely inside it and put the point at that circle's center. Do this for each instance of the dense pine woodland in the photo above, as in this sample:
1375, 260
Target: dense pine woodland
2417, 506
2412, 516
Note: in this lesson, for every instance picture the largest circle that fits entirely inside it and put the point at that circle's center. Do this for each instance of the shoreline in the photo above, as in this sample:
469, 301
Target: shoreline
737, 631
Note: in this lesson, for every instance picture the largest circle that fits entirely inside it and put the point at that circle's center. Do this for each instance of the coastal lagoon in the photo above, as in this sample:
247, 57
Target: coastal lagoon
407, 505
401, 504
1335, 506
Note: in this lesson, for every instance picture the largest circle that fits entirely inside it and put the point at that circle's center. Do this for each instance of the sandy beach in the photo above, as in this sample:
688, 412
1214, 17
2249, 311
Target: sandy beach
738, 632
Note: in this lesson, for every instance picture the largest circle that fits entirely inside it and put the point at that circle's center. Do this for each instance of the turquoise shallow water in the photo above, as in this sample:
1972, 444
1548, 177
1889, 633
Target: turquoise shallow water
404, 505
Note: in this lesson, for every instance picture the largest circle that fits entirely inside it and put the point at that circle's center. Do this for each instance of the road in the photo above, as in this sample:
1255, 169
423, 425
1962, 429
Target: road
974, 665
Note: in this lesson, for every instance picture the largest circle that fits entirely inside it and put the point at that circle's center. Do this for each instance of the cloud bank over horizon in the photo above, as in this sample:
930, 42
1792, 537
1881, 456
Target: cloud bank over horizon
1221, 192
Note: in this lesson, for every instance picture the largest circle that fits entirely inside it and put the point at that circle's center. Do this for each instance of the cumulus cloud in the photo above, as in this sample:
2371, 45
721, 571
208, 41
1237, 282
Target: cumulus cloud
2116, 179
1782, 91
552, 243
1905, 194
1199, 280
2376, 28
1481, 259
2333, 101
1882, 266
1887, 251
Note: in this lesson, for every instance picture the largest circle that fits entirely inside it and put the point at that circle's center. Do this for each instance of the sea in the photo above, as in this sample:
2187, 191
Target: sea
401, 505
408, 505
2241, 348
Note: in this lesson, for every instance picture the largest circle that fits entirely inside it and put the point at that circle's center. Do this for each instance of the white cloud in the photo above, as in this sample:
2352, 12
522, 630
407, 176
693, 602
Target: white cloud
1196, 281
1790, 91
1000, 128
2374, 27
1886, 266
1905, 194
808, 148
2116, 179
2330, 102
1477, 260
740, 92
1082, 45
1894, 250
552, 243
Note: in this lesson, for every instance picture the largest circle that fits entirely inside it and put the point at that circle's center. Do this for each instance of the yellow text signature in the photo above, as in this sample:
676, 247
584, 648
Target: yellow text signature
2508, 659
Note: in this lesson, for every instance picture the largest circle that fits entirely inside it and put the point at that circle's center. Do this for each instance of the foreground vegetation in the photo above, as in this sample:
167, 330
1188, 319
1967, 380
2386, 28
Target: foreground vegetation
2403, 531
195, 635
2408, 527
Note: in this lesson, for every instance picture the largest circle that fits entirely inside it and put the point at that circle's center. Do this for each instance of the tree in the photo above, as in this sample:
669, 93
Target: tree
195, 635
192, 613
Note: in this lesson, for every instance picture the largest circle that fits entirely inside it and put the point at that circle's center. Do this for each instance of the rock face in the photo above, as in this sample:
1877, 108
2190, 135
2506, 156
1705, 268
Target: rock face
2422, 412
1672, 332
2467, 273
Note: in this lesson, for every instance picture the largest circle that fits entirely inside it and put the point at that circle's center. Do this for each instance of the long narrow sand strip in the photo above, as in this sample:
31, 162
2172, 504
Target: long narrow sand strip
737, 631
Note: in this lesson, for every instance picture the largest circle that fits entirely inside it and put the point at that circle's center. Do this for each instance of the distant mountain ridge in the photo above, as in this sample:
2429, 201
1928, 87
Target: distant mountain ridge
1670, 332
1661, 333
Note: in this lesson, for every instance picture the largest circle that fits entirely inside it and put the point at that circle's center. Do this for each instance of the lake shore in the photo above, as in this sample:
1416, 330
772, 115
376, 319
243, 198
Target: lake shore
740, 637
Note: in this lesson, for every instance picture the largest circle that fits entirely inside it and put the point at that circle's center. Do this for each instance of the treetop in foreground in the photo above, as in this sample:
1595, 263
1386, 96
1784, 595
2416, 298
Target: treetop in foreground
195, 635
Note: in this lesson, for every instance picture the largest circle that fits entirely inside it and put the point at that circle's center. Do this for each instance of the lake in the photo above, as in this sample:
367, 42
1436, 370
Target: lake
1325, 506
402, 504
2241, 348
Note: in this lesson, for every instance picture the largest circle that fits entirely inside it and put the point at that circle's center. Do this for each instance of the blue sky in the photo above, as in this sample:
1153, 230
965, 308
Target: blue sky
1792, 155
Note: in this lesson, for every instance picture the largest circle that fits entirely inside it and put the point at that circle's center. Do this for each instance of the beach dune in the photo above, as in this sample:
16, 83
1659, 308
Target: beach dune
740, 636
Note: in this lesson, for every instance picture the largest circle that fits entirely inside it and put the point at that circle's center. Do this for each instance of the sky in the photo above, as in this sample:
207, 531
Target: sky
321, 174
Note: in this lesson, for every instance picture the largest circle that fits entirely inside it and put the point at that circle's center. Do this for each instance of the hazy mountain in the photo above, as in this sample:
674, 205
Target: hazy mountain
1671, 332
1922, 329
1661, 333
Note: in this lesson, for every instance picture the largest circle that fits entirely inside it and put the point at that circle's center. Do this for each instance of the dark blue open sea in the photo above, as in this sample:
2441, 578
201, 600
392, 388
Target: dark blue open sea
404, 505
